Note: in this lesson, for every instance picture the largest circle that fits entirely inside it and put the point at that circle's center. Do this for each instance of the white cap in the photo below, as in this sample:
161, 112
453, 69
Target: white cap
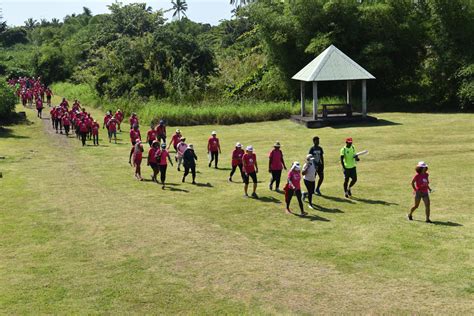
296, 165
238, 145
422, 164
178, 131
214, 133
249, 148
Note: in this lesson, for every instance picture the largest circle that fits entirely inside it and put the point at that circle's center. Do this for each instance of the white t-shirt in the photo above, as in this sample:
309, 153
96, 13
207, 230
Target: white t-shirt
310, 174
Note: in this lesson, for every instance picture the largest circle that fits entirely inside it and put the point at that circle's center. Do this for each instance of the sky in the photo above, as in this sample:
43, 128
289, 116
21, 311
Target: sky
15, 12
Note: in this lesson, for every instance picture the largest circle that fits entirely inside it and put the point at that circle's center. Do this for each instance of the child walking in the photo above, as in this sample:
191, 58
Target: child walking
421, 189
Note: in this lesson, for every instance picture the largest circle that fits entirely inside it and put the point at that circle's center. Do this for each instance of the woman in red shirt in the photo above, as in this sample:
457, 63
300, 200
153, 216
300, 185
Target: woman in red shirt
249, 164
137, 158
155, 146
421, 189
293, 187
276, 163
162, 156
213, 149
95, 132
237, 155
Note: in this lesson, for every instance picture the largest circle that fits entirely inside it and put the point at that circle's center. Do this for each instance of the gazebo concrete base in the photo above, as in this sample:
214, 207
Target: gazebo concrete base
333, 119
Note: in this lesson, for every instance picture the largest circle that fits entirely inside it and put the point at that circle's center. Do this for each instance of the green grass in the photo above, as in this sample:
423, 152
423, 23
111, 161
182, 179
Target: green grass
210, 112
79, 235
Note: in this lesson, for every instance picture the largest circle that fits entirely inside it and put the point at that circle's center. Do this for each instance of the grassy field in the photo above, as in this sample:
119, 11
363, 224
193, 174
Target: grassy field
79, 235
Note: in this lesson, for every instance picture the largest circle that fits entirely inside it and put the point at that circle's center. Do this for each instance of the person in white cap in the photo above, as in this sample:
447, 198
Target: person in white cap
213, 149
293, 187
421, 189
250, 167
175, 139
180, 152
237, 155
189, 158
309, 178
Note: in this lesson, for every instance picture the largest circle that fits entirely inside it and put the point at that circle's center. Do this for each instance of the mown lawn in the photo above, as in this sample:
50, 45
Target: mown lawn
79, 235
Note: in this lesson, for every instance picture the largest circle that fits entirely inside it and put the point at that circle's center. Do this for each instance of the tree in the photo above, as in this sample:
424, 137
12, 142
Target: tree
7, 98
31, 23
179, 7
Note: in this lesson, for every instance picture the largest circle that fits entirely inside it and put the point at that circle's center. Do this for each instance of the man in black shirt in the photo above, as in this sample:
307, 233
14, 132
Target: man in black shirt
318, 154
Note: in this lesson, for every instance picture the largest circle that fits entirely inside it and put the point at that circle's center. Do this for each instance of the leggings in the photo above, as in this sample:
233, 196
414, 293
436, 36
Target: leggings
276, 176
310, 188
95, 138
298, 196
83, 138
235, 168
163, 173
66, 129
214, 157
193, 171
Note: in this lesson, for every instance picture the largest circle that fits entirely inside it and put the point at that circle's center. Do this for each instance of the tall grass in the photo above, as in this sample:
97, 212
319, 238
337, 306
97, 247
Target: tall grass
223, 112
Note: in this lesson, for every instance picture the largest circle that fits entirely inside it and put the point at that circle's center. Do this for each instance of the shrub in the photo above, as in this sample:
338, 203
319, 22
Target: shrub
7, 99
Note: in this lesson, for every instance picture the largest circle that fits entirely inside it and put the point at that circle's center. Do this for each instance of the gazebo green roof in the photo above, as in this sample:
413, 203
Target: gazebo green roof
332, 65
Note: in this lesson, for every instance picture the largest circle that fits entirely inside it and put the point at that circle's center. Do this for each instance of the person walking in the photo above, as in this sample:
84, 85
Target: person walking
180, 151
134, 135
309, 179
213, 149
175, 140
348, 162
137, 158
236, 162
163, 157
151, 135
83, 129
95, 133
66, 123
119, 117
189, 162
421, 189
293, 187
318, 160
152, 162
112, 129
276, 163
250, 167
39, 107
161, 131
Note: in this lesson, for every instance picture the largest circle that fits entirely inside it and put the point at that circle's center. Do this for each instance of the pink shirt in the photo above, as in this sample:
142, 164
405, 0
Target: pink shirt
276, 157
421, 182
237, 155
164, 157
294, 177
249, 162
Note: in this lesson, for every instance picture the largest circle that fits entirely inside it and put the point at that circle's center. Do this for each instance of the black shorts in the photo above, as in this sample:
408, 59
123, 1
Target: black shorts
252, 175
350, 173
154, 165
420, 195
319, 169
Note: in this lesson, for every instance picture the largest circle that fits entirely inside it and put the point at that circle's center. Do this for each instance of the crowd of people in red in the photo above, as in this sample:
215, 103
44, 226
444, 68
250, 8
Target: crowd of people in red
76, 119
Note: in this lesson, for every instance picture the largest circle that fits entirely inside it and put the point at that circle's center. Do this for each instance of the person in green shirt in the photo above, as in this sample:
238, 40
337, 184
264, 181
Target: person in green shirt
348, 162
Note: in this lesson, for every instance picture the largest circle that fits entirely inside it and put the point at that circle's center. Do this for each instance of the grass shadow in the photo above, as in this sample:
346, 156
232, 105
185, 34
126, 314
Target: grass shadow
327, 210
8, 133
175, 189
269, 199
379, 122
448, 223
207, 185
380, 202
312, 218
337, 199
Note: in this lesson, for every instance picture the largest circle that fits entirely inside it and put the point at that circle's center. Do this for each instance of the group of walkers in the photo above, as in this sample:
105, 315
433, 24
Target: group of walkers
76, 119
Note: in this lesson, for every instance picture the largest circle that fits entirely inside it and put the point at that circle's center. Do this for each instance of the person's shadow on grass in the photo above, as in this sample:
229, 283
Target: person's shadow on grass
326, 209
380, 202
269, 199
172, 189
337, 199
312, 217
440, 223
205, 185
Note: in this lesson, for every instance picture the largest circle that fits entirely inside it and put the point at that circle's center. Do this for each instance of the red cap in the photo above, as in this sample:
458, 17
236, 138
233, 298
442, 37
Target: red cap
349, 140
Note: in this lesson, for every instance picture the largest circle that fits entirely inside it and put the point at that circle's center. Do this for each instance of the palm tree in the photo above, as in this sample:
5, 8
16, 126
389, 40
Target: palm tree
179, 7
31, 23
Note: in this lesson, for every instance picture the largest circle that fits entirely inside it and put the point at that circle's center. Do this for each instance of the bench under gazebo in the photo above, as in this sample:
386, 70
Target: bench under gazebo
333, 65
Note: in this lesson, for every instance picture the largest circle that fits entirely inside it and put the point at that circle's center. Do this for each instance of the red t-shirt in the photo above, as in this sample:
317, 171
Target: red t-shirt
112, 125
152, 155
151, 135
176, 139
133, 120
295, 179
249, 162
119, 116
237, 155
106, 119
421, 182
66, 121
213, 144
138, 153
276, 157
95, 128
83, 127
134, 134
163, 153
161, 130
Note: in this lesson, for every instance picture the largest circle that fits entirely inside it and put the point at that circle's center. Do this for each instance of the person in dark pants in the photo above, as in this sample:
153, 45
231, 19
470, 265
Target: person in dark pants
348, 162
237, 155
293, 187
152, 162
213, 149
162, 156
95, 132
309, 177
83, 129
318, 154
189, 162
276, 163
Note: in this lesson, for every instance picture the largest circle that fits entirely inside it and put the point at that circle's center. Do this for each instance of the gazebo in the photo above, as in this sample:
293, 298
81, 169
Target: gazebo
333, 65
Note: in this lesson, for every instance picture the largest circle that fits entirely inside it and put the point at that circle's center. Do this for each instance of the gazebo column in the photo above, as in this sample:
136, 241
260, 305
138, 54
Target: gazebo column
349, 92
364, 98
315, 100
302, 83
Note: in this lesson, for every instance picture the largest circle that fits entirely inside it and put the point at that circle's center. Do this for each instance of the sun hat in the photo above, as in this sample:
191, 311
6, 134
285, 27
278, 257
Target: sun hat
239, 145
178, 131
422, 164
296, 165
155, 142
349, 140
214, 133
277, 144
309, 157
249, 148
183, 139
138, 141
